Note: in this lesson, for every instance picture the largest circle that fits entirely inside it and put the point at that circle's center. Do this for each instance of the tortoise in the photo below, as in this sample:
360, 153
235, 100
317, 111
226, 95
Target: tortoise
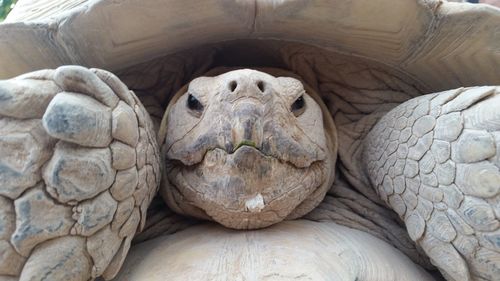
323, 124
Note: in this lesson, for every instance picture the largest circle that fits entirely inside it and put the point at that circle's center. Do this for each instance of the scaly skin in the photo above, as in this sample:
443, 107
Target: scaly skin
435, 161
79, 165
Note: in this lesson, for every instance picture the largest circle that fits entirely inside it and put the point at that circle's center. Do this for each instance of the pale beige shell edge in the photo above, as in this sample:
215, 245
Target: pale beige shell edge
441, 44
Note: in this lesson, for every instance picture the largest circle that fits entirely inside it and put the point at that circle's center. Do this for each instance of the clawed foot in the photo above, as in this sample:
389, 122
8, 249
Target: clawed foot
79, 165
435, 160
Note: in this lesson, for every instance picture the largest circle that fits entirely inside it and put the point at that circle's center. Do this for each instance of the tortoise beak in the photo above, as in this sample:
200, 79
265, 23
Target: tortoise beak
247, 126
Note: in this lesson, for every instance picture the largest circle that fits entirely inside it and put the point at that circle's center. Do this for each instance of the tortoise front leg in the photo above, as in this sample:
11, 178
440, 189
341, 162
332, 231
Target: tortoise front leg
435, 160
79, 165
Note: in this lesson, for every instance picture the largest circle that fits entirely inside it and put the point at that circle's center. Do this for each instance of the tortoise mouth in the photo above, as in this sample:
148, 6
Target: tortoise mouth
243, 189
246, 143
299, 161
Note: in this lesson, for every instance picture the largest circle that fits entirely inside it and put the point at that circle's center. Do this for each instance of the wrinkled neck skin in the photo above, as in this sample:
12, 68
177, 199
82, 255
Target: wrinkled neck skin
247, 149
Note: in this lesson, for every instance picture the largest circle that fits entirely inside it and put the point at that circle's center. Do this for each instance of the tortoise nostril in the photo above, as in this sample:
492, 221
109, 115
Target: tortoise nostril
261, 86
233, 85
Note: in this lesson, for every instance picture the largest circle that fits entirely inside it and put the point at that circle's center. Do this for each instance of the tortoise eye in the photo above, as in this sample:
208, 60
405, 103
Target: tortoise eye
298, 106
194, 104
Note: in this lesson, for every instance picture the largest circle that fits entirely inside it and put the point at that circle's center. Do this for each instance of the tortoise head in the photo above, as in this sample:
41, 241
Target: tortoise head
247, 149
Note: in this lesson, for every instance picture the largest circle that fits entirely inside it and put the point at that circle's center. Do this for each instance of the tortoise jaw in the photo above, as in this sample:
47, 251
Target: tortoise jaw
191, 157
244, 189
248, 143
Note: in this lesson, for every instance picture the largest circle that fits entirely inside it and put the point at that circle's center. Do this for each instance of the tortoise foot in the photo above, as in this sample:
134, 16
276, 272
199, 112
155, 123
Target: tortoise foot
79, 165
436, 161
